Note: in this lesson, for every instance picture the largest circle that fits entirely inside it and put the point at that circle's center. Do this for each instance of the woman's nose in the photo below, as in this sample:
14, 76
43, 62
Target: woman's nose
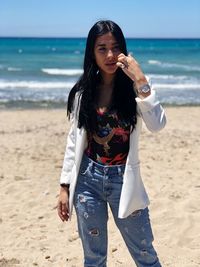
110, 53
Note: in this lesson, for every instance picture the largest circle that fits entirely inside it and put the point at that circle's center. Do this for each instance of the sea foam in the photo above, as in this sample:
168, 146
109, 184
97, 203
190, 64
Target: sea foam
34, 84
174, 65
68, 72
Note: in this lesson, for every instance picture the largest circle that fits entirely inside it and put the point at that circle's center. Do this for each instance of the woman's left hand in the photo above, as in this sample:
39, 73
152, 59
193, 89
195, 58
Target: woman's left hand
132, 69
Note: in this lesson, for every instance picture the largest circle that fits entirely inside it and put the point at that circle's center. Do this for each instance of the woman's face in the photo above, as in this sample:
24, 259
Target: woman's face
106, 51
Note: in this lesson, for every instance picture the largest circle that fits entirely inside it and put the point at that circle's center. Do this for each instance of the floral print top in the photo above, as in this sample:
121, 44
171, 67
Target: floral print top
110, 144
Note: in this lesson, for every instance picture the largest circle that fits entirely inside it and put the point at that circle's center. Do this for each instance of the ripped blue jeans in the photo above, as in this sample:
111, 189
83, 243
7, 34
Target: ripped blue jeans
98, 186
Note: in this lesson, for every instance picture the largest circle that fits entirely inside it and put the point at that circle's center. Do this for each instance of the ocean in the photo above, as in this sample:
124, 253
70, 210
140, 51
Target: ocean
37, 72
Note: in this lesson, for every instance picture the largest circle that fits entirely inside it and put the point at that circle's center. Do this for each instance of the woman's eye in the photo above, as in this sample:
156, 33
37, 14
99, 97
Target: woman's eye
102, 49
116, 48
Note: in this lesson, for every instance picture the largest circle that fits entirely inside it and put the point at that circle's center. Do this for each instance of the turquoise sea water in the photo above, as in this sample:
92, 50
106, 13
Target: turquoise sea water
43, 70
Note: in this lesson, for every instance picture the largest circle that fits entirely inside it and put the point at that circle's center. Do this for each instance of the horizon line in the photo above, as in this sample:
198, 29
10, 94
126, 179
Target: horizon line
82, 37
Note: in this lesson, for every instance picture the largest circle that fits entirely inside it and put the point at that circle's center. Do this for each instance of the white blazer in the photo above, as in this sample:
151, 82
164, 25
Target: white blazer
133, 194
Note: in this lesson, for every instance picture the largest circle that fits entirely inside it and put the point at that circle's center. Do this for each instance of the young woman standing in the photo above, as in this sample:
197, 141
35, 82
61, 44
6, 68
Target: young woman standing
101, 165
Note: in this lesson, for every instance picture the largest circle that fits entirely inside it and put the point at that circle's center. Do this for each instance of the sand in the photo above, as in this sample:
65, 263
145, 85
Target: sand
32, 144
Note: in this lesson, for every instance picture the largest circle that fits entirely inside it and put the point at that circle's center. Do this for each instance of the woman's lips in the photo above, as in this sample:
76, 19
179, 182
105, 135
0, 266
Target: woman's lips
111, 64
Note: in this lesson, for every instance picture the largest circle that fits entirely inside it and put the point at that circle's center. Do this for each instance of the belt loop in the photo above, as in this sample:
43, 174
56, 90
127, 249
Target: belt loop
119, 170
90, 165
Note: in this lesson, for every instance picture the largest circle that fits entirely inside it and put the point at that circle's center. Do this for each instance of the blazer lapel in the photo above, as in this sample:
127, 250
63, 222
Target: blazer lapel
81, 144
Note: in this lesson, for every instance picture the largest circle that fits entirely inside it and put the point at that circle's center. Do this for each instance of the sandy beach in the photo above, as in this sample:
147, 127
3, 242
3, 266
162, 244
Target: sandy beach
32, 146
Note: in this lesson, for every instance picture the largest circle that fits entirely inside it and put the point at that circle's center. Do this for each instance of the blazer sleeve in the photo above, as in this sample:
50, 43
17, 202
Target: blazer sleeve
151, 111
69, 155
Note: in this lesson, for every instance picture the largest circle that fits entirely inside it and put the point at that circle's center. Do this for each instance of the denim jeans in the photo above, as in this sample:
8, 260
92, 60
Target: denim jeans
98, 186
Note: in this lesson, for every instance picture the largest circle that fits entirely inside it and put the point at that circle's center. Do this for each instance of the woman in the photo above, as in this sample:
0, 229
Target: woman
101, 164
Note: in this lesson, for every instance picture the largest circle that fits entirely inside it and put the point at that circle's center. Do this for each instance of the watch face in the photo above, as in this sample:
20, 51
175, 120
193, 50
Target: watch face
145, 88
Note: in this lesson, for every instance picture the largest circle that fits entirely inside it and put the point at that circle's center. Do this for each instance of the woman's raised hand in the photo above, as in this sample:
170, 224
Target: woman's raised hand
132, 69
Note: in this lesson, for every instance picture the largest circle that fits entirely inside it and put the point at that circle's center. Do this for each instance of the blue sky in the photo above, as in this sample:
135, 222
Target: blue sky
67, 18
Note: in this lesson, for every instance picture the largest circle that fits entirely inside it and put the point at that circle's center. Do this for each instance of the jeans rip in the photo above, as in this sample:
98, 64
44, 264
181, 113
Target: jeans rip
136, 213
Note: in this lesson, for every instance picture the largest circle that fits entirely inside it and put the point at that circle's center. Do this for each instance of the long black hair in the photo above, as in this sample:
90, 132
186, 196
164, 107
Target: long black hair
123, 93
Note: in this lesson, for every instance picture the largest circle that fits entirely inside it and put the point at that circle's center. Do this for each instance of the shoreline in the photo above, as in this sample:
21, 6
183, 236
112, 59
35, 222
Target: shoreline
61, 106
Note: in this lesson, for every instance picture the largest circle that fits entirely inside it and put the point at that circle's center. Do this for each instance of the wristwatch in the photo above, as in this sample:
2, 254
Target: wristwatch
144, 88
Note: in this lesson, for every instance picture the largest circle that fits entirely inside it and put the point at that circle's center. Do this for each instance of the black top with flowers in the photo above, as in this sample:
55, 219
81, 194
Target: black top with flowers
110, 144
